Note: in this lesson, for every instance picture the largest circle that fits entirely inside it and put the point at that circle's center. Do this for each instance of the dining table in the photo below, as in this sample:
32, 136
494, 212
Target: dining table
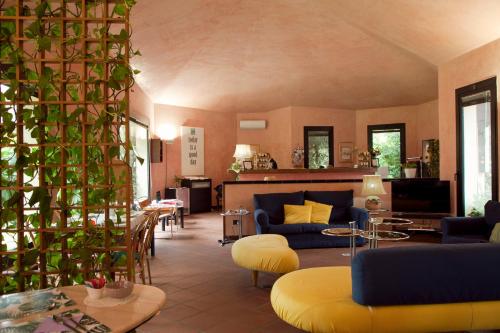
70, 309
174, 207
168, 206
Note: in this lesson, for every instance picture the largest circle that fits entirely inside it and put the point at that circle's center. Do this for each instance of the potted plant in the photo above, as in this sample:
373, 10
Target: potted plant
410, 169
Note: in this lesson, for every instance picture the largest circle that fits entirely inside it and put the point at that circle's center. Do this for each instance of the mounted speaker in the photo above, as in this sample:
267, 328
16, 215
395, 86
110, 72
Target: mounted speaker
252, 124
156, 151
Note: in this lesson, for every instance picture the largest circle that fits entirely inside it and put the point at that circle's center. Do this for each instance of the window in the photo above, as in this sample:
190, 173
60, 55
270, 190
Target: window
318, 147
477, 169
139, 159
389, 139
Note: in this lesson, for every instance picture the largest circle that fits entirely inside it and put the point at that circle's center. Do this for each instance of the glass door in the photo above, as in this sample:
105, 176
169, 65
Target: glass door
476, 147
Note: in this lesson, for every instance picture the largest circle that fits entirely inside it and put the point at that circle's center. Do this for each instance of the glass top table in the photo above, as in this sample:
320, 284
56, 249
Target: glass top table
385, 235
374, 235
395, 221
350, 232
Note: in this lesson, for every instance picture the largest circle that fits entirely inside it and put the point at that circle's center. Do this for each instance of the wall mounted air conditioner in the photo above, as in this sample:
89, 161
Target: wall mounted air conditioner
252, 124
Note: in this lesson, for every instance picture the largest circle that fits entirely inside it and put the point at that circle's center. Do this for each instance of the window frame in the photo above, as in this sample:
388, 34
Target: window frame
388, 128
488, 84
146, 158
330, 131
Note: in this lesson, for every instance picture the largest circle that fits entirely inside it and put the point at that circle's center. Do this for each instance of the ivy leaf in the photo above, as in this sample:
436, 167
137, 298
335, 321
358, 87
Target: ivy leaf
10, 11
114, 151
44, 43
41, 8
120, 72
120, 9
113, 84
77, 29
130, 3
13, 200
31, 257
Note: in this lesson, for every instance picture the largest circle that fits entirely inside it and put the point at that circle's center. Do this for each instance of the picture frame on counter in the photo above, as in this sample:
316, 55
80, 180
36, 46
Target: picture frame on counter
247, 165
346, 151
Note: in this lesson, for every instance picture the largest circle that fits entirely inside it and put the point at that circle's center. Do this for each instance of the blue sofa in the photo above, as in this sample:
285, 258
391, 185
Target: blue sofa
269, 218
471, 229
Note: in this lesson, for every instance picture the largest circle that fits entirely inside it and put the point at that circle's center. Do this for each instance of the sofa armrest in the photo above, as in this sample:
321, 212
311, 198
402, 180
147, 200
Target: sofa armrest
261, 219
359, 215
463, 225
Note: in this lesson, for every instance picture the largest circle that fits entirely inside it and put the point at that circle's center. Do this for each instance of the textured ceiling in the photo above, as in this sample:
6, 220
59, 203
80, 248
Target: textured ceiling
259, 55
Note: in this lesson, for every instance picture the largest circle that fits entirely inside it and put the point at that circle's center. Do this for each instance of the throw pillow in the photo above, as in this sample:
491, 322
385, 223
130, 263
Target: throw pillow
297, 214
495, 234
320, 212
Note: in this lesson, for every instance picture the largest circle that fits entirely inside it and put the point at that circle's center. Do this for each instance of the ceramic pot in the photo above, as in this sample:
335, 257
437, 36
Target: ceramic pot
410, 173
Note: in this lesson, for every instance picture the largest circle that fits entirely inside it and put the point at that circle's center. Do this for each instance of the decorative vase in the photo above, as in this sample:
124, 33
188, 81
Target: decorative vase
410, 172
95, 293
298, 157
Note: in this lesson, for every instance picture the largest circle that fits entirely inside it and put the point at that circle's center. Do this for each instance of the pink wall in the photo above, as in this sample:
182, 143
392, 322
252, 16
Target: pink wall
283, 133
285, 130
220, 140
421, 123
343, 122
275, 139
477, 65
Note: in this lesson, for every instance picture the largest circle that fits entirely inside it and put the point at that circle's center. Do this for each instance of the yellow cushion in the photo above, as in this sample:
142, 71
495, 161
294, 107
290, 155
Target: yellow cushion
320, 212
308, 300
265, 253
297, 214
495, 234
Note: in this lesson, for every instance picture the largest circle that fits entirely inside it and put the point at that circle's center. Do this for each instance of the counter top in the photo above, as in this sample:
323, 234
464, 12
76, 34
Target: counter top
302, 170
307, 174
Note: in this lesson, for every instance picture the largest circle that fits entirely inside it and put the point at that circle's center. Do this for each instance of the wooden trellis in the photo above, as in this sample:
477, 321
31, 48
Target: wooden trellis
65, 181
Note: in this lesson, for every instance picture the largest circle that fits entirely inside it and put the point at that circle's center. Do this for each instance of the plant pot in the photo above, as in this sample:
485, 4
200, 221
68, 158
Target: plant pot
410, 173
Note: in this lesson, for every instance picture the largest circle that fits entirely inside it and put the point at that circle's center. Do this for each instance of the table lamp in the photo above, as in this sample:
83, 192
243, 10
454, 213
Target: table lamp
372, 186
242, 152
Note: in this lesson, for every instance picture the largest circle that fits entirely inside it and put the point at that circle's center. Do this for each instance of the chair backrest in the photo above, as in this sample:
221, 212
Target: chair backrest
150, 223
143, 203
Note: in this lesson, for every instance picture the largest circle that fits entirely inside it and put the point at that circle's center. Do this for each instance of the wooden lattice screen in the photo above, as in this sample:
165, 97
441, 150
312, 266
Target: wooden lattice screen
65, 185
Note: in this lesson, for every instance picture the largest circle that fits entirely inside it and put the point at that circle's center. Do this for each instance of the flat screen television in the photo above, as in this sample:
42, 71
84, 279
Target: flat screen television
420, 195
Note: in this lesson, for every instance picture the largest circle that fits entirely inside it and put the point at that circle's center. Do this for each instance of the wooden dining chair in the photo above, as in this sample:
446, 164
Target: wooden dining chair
144, 245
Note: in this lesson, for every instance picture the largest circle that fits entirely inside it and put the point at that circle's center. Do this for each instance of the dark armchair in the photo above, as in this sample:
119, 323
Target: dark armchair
471, 229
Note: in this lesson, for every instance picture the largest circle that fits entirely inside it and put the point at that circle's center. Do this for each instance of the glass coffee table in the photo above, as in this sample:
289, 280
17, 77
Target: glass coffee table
374, 235
350, 232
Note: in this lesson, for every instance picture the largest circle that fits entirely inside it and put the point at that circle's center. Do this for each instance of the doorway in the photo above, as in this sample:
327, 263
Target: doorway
477, 170
318, 147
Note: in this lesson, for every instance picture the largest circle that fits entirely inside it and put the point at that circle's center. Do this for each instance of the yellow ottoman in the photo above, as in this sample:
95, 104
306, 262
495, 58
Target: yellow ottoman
264, 253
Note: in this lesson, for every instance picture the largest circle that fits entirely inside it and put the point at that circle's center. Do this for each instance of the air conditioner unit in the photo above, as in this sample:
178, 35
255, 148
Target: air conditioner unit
252, 124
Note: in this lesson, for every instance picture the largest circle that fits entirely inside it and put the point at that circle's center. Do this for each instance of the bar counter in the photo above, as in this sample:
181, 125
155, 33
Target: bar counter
306, 174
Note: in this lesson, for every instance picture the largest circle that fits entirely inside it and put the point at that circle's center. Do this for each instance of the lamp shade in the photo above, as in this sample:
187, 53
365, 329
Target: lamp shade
242, 151
372, 185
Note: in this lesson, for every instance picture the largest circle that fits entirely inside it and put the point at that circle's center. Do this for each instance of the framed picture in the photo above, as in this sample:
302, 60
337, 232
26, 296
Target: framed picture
247, 165
345, 151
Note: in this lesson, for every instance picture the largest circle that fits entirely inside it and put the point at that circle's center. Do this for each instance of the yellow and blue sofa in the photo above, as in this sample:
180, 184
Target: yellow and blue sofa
437, 288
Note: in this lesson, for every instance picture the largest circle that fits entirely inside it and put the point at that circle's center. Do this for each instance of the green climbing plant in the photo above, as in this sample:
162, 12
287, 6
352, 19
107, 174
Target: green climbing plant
64, 76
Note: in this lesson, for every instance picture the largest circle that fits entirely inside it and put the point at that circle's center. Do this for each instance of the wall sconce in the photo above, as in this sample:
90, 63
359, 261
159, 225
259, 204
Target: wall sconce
168, 132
